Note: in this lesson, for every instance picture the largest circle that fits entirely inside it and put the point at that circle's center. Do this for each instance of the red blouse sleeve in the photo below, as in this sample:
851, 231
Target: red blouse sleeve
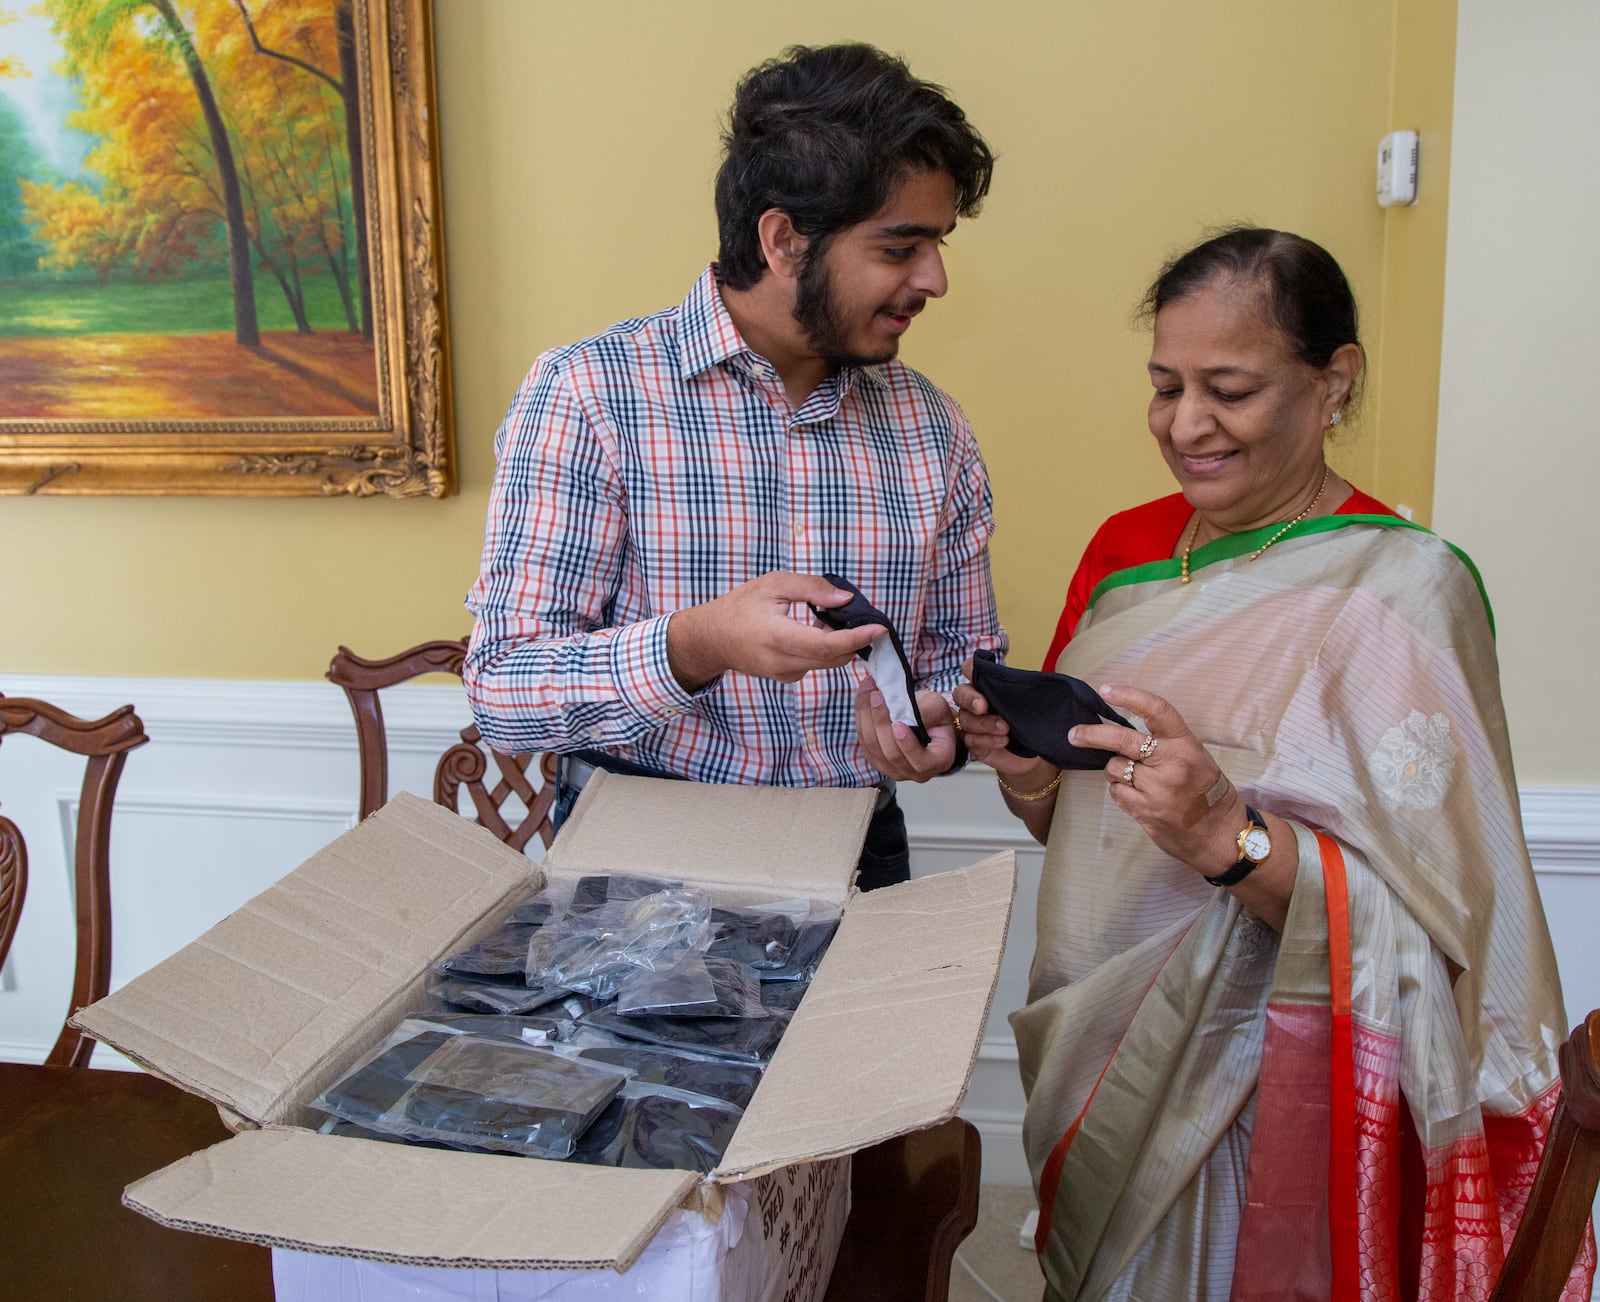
1146, 533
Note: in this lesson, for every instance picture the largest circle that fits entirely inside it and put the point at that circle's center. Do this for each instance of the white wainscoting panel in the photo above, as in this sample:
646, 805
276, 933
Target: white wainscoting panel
241, 781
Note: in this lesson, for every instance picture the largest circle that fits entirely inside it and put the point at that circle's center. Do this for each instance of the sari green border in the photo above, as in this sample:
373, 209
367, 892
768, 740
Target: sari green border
1237, 544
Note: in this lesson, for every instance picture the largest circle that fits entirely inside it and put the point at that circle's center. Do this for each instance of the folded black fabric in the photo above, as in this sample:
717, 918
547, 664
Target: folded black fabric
1041, 708
502, 952
554, 1023
614, 888
810, 944
535, 912
484, 993
596, 951
783, 996
758, 937
728, 1082
349, 1129
377, 1085
700, 985
743, 1039
659, 1131
471, 1092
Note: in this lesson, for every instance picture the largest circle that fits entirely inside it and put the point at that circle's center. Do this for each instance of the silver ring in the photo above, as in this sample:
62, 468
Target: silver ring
1147, 747
1127, 773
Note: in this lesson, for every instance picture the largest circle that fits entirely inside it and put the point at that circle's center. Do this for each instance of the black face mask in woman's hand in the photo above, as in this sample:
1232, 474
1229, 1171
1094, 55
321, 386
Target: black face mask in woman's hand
1041, 708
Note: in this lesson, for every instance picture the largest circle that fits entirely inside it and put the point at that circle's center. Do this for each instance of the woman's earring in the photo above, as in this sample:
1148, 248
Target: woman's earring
1336, 417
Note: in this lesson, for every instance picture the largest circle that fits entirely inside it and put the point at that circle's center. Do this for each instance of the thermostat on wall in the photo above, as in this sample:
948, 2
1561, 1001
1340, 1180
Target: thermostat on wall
1397, 169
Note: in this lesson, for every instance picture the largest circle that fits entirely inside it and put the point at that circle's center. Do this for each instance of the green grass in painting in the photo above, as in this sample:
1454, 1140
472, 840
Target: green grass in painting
43, 304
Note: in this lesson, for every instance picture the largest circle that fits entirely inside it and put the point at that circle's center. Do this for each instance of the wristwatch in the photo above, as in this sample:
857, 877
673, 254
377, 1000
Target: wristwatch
1255, 844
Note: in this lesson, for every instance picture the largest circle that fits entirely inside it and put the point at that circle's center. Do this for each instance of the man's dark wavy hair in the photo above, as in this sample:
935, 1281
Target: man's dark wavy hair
825, 133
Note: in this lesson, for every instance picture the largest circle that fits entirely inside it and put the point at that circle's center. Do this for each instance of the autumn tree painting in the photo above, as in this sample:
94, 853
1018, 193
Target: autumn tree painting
183, 220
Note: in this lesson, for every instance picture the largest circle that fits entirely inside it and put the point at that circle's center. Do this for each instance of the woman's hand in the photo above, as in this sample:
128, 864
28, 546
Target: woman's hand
1168, 781
987, 737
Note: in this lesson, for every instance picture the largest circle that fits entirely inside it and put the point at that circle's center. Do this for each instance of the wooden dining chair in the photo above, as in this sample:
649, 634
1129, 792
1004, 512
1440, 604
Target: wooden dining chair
105, 744
463, 764
1553, 1224
72, 1137
913, 1199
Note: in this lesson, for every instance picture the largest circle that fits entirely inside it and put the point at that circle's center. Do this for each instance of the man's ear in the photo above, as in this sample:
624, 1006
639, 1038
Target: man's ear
781, 244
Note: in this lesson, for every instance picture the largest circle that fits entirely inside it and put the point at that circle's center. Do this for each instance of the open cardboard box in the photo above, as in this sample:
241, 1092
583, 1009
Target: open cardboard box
277, 1001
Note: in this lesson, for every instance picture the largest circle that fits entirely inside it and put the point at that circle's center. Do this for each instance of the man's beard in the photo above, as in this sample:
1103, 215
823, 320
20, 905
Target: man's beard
817, 313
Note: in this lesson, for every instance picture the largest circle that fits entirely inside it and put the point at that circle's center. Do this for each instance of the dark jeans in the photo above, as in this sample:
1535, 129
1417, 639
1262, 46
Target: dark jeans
885, 855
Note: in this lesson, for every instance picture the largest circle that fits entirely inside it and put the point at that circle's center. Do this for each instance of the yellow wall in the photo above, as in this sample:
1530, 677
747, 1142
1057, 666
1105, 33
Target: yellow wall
1407, 316
579, 145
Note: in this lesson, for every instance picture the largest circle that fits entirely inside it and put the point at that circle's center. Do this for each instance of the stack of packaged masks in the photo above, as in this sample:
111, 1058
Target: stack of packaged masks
616, 1021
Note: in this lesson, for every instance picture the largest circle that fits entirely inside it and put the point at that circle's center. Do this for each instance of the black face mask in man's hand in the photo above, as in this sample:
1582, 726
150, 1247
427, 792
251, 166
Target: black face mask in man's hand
886, 658
1041, 708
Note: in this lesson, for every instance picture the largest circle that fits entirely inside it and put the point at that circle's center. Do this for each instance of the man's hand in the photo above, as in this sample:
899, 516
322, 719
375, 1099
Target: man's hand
892, 749
750, 630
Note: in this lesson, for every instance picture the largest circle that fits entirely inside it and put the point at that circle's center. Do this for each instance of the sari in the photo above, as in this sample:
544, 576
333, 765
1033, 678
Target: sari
1354, 1108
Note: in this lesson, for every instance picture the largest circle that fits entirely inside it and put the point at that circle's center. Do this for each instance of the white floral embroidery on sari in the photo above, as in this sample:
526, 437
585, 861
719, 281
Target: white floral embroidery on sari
1412, 764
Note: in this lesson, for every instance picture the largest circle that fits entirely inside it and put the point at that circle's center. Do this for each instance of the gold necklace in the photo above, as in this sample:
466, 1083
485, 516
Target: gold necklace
1194, 529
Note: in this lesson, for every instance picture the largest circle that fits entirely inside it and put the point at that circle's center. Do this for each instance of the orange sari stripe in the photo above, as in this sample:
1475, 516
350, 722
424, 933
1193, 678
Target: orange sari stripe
1050, 1173
1343, 1228
1050, 1176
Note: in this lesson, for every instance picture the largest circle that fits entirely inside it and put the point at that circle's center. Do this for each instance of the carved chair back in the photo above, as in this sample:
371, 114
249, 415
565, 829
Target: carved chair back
105, 744
1557, 1215
464, 764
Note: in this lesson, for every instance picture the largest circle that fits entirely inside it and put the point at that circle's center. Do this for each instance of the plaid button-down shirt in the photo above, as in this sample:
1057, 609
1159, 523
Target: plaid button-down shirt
659, 464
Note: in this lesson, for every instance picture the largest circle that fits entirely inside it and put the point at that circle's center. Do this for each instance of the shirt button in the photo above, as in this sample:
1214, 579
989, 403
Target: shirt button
799, 529
811, 740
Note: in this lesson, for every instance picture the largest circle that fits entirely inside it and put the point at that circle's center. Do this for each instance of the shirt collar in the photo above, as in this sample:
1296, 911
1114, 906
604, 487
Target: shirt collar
708, 337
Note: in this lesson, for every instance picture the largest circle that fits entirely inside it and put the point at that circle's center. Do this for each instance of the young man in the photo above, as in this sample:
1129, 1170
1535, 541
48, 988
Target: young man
669, 492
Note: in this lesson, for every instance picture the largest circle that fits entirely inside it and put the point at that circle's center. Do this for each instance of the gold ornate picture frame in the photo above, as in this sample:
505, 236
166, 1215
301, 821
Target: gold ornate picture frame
294, 138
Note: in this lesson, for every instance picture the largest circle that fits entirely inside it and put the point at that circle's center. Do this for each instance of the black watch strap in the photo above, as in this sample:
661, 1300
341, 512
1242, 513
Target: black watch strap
1242, 867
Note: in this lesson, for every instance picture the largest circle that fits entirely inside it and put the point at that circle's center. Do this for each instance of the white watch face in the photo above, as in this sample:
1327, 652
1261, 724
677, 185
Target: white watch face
1257, 844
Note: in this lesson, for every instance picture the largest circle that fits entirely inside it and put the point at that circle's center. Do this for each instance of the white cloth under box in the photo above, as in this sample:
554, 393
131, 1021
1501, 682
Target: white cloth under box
775, 1241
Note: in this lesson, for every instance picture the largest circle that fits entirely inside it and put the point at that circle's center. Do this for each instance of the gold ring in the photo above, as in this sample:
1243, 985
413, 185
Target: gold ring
1147, 747
956, 719
1127, 773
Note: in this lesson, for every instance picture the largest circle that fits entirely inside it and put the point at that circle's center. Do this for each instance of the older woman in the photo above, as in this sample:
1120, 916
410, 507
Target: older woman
1293, 1013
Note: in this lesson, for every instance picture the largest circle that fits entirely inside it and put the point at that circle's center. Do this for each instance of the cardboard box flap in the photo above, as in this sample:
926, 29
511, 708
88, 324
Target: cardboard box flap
246, 1012
391, 1202
798, 840
887, 1042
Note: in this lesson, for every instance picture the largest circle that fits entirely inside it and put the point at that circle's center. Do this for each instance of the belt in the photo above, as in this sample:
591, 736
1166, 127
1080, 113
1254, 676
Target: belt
574, 772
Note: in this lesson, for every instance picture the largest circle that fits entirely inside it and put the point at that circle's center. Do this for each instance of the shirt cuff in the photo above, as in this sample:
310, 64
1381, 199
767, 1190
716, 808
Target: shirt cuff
643, 674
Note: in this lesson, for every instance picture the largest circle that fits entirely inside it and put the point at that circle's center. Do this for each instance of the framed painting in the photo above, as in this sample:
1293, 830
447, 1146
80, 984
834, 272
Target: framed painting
221, 251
